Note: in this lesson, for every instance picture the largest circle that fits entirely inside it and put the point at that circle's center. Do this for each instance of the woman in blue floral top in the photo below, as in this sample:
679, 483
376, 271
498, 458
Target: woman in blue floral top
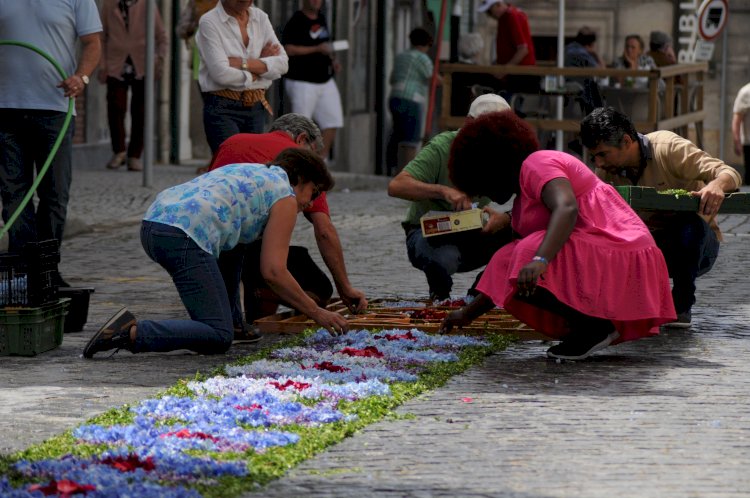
186, 229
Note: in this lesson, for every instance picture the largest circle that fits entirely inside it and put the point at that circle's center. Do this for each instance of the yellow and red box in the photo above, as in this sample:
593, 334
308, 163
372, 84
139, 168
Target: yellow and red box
445, 222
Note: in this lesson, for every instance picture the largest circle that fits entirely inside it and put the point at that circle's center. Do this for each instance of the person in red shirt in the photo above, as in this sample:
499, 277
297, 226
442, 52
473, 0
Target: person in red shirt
289, 130
513, 44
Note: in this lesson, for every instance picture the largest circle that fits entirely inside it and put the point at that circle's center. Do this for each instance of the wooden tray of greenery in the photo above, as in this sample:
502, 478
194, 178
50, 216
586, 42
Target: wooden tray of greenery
648, 198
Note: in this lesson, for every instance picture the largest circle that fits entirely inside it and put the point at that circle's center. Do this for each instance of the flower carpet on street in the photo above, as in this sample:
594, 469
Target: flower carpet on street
249, 423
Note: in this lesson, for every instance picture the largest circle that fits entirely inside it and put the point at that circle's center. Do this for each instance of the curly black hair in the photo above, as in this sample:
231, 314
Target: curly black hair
487, 154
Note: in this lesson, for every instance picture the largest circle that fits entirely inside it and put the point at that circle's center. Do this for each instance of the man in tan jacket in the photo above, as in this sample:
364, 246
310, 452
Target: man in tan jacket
665, 160
123, 67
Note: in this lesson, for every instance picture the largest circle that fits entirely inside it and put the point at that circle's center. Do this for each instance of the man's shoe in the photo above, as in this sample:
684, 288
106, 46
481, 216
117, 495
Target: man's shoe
134, 164
581, 346
117, 160
683, 321
246, 336
114, 334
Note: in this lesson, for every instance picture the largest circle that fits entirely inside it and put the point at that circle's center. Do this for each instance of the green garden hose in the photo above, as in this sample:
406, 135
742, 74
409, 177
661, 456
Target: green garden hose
59, 140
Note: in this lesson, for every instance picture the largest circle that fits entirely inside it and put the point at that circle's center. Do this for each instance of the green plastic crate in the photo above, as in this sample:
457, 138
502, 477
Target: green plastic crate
30, 331
647, 198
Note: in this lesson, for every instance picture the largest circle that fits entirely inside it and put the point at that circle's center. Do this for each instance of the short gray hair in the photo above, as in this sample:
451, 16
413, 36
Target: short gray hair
296, 124
469, 45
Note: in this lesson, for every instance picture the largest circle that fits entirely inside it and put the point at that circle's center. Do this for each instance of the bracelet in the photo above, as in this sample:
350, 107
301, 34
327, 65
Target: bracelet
541, 259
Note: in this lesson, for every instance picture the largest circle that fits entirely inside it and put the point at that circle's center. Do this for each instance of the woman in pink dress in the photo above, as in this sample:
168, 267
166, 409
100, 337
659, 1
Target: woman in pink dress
586, 269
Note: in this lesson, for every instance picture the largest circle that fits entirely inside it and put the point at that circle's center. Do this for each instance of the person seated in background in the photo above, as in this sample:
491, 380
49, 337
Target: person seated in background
633, 57
582, 53
665, 160
565, 277
289, 130
661, 49
424, 182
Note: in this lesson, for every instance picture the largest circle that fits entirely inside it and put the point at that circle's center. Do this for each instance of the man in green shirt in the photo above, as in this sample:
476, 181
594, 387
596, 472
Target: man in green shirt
425, 182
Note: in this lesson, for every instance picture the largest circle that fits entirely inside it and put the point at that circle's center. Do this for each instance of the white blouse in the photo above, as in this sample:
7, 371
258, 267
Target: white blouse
219, 37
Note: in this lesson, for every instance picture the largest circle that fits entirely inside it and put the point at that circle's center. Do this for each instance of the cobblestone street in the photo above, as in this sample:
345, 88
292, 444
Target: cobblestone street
661, 417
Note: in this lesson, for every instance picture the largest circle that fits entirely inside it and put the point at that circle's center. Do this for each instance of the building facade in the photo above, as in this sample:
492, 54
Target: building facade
378, 30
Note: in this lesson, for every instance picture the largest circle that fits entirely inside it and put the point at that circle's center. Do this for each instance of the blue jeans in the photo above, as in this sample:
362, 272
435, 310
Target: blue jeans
223, 117
199, 282
26, 139
230, 266
690, 248
441, 256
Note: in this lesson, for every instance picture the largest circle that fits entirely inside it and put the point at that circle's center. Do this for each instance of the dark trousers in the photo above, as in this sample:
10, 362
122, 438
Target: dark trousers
690, 248
407, 128
117, 106
257, 294
26, 138
579, 323
746, 155
441, 256
223, 117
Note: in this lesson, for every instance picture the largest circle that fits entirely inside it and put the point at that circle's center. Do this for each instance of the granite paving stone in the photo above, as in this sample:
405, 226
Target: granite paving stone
661, 417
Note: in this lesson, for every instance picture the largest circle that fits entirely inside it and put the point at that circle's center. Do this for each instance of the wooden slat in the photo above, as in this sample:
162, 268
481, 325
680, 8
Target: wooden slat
661, 113
495, 321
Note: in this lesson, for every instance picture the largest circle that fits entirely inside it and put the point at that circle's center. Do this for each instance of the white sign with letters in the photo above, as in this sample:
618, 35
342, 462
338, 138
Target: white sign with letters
699, 23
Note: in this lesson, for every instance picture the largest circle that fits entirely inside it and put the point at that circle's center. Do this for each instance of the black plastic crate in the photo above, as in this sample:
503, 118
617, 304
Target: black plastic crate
27, 279
78, 312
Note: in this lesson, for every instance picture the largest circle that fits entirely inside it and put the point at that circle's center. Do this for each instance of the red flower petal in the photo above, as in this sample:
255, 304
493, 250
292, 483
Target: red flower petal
186, 434
329, 366
130, 463
368, 352
63, 488
397, 337
289, 383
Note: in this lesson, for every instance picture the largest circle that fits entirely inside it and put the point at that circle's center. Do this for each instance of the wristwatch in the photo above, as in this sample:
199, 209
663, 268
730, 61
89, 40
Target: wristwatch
244, 65
84, 78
